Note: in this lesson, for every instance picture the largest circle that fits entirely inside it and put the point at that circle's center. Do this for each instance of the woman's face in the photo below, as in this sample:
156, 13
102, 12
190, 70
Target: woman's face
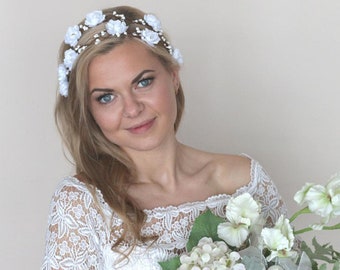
133, 97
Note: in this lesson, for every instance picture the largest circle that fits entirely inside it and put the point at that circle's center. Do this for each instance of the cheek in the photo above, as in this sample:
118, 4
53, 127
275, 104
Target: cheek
166, 101
107, 121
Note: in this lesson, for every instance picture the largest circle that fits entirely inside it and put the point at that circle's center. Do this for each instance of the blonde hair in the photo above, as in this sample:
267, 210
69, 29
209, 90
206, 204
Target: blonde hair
99, 162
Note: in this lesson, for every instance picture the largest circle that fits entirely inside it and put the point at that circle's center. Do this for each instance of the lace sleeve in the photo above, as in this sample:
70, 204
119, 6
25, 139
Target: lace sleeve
267, 194
77, 233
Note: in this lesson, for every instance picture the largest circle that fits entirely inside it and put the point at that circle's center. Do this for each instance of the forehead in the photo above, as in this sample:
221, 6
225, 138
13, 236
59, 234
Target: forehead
129, 50
124, 53
122, 62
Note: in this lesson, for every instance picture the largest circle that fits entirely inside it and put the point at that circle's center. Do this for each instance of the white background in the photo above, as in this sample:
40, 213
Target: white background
260, 77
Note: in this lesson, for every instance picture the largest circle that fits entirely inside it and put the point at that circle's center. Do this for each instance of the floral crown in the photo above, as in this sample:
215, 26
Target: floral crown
114, 27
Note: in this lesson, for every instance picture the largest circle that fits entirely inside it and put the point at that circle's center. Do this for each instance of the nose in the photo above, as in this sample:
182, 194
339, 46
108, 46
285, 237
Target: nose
132, 106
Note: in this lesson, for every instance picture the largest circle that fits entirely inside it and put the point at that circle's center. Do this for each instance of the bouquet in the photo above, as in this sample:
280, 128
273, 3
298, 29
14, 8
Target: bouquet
241, 241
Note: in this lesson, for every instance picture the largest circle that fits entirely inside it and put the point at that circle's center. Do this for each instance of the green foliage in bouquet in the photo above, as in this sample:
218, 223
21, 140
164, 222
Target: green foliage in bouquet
204, 226
324, 253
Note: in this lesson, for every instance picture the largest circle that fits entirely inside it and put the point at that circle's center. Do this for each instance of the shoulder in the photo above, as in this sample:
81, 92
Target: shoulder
230, 172
223, 173
71, 192
69, 185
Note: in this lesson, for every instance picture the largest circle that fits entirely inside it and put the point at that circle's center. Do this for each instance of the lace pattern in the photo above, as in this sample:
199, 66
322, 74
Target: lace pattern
80, 225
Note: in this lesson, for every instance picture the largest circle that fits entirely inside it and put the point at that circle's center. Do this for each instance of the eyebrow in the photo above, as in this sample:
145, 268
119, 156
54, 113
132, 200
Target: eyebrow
140, 75
136, 79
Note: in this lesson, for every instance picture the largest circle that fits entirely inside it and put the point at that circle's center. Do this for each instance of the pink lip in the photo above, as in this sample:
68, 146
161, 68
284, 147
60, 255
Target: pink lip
142, 127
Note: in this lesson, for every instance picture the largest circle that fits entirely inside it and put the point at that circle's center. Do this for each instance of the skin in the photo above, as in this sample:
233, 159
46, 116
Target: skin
133, 101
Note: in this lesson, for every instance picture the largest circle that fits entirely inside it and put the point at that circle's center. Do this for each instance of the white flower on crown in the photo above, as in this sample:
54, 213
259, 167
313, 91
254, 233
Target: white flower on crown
176, 54
150, 37
94, 18
70, 57
153, 21
62, 78
72, 35
116, 27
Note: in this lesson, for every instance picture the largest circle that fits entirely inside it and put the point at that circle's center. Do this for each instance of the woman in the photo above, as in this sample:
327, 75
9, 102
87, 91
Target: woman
137, 190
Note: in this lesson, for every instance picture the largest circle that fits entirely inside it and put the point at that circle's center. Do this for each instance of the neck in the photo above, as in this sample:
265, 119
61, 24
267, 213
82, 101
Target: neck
160, 166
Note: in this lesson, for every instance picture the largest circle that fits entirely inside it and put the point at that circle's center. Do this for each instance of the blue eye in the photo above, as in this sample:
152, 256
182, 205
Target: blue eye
106, 98
145, 82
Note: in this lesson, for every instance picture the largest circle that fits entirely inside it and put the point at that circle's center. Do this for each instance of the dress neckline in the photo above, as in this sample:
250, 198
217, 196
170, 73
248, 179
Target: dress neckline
209, 200
187, 205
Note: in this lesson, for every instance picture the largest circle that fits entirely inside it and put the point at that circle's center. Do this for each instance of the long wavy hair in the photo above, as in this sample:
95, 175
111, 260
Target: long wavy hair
100, 163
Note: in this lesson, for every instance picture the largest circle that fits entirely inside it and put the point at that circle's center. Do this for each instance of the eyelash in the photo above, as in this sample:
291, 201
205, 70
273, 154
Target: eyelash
149, 80
101, 97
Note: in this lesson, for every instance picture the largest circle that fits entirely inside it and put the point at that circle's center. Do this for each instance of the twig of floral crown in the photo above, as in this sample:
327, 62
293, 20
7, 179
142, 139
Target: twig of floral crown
152, 21
114, 28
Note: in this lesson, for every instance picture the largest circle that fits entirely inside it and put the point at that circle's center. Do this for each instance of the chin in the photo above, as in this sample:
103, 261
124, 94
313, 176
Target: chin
146, 145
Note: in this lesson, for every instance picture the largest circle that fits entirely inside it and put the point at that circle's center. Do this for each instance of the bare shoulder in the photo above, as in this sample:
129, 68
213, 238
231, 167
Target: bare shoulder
230, 172
222, 173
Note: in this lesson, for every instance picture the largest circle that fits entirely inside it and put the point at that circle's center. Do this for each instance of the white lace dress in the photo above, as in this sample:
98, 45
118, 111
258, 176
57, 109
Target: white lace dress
78, 235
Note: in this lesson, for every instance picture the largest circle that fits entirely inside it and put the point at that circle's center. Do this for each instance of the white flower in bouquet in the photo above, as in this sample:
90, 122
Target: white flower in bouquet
279, 239
242, 212
211, 255
234, 234
321, 200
